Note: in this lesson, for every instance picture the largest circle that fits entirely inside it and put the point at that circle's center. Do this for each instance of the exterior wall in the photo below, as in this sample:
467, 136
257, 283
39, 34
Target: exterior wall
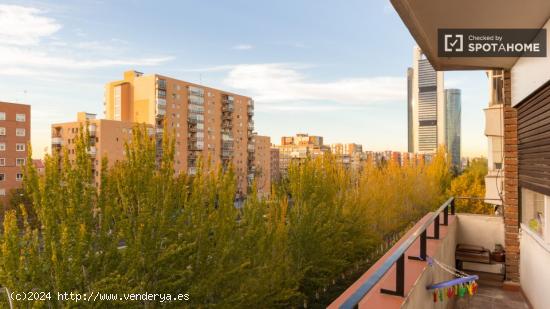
534, 268
470, 225
529, 73
511, 217
220, 115
10, 170
107, 140
262, 164
494, 130
274, 165
419, 296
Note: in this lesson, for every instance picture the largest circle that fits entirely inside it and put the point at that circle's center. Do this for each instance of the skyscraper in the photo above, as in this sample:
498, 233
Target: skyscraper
410, 139
426, 106
452, 124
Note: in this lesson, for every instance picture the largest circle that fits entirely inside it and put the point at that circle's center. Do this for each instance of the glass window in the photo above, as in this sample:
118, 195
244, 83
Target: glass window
2, 177
2, 116
2, 192
20, 117
20, 132
20, 147
20, 161
19, 177
533, 212
2, 131
2, 161
2, 146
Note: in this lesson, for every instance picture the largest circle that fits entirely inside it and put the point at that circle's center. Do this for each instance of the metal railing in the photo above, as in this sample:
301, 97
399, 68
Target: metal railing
398, 257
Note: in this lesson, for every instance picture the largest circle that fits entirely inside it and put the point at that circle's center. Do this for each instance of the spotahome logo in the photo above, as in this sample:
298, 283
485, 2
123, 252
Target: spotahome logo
491, 42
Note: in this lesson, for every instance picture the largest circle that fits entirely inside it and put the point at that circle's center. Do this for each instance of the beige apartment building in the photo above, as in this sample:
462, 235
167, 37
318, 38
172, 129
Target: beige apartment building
107, 138
262, 164
15, 135
213, 124
299, 147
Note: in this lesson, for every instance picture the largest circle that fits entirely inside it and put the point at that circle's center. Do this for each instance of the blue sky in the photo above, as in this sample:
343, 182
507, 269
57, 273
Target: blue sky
330, 68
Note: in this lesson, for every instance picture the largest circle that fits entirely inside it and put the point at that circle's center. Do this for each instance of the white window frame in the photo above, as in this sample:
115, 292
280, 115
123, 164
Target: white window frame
18, 160
2, 146
19, 119
2, 115
20, 145
3, 178
2, 161
19, 130
2, 131
2, 192
17, 178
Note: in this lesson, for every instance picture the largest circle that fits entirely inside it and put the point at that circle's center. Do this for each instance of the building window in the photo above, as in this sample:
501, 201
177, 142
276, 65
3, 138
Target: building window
20, 147
20, 161
534, 212
20, 132
2, 161
20, 117
118, 103
2, 116
2, 192
2, 131
2, 146
19, 176
2, 177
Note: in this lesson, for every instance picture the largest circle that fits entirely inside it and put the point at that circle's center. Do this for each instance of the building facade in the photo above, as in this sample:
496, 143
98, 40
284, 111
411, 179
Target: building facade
299, 147
207, 123
15, 135
426, 103
453, 105
107, 139
274, 165
262, 164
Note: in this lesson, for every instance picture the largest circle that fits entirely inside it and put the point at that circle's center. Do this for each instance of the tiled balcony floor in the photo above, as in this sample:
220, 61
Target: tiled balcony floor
489, 297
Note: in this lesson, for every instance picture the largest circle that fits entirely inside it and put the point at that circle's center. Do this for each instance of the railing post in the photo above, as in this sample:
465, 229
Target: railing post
436, 228
422, 255
446, 216
453, 207
399, 278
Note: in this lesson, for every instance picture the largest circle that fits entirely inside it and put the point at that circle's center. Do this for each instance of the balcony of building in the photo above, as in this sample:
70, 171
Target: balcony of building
402, 276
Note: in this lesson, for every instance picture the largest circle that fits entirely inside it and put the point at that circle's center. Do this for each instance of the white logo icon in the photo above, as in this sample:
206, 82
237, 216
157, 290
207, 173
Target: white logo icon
454, 42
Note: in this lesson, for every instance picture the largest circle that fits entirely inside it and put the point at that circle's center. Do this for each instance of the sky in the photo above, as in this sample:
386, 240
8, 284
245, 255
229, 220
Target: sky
330, 68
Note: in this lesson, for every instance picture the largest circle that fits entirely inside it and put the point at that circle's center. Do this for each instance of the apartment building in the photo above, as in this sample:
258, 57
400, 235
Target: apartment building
262, 164
349, 154
15, 135
107, 139
274, 165
426, 103
207, 123
299, 147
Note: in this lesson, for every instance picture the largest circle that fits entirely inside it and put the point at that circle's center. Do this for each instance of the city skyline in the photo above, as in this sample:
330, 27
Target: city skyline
301, 79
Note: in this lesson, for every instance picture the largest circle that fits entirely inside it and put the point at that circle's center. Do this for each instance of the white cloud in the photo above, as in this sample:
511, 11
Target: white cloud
279, 82
243, 47
23, 54
22, 26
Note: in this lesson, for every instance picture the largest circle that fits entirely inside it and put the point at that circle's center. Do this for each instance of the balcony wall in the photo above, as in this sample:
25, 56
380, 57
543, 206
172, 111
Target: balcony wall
480, 230
534, 268
493, 187
494, 121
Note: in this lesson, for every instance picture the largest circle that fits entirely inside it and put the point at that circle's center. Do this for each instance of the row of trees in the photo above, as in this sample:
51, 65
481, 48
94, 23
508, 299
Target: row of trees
146, 229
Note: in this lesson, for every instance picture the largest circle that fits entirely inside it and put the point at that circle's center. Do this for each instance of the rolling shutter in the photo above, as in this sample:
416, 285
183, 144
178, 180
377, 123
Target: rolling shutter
534, 141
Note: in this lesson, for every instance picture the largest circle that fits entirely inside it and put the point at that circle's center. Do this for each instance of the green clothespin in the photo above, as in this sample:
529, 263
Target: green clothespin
440, 294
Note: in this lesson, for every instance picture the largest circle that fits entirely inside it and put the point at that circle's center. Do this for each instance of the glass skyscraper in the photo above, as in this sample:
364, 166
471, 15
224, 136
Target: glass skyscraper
452, 124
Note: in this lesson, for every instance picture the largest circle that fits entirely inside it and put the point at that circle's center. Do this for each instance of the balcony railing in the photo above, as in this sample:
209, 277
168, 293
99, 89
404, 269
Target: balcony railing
398, 257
